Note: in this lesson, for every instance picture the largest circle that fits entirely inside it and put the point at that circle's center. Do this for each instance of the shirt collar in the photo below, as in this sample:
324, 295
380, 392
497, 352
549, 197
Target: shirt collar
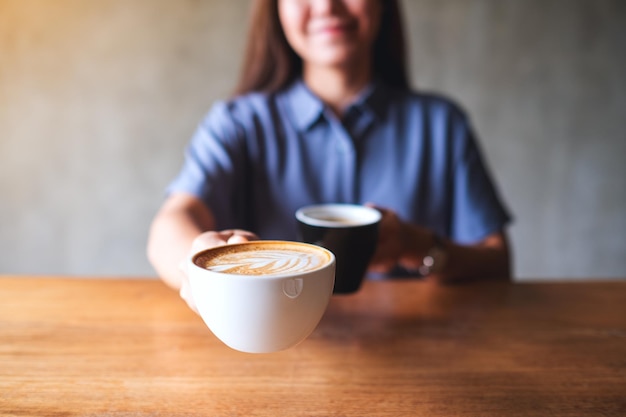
372, 100
306, 108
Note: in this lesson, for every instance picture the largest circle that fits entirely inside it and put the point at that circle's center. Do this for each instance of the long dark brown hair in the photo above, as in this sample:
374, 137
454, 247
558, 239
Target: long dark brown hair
270, 63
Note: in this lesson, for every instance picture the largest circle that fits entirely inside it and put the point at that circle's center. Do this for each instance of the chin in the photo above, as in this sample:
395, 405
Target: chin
335, 58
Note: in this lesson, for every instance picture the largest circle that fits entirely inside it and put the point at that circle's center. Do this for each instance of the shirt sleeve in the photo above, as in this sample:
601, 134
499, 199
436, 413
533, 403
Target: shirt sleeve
478, 210
213, 167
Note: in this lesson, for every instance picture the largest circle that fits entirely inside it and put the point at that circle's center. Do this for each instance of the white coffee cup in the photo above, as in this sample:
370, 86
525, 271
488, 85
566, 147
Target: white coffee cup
262, 296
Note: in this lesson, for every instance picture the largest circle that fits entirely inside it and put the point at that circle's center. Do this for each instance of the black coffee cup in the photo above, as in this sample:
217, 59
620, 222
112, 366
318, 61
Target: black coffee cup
349, 231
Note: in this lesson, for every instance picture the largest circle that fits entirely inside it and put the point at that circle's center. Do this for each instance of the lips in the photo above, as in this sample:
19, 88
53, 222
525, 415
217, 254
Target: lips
335, 27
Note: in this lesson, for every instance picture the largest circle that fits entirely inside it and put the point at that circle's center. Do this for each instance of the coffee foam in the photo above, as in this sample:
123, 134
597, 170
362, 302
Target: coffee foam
263, 258
338, 215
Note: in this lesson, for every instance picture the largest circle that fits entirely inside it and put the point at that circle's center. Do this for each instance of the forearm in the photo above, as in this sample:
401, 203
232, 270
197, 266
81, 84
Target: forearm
468, 263
171, 236
169, 244
487, 259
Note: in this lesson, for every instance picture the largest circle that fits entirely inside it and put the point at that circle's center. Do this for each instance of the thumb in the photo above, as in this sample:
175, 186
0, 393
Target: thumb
237, 239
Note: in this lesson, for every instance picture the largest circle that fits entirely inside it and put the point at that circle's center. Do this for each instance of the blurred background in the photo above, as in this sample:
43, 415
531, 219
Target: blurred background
98, 99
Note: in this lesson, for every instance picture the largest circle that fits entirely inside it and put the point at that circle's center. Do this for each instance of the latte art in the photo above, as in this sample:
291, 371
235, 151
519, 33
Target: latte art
263, 259
265, 262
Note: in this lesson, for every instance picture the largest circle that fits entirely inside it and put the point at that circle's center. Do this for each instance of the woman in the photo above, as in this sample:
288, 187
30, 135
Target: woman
323, 113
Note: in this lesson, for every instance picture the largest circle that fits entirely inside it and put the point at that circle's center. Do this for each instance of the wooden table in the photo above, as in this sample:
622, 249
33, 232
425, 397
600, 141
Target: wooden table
124, 347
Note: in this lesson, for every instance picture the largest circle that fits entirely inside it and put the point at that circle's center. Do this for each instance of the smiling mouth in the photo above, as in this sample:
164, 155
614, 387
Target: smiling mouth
334, 29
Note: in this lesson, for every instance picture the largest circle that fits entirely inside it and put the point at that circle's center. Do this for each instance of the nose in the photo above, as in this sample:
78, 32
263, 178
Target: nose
321, 7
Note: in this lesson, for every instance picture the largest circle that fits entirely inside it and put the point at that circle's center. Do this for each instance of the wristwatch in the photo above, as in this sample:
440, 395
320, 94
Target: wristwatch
435, 259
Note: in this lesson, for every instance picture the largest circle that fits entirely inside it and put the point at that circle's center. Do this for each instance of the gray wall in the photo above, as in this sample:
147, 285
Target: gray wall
98, 99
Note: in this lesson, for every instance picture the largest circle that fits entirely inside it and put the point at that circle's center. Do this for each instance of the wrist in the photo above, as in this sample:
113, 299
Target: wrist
417, 243
435, 259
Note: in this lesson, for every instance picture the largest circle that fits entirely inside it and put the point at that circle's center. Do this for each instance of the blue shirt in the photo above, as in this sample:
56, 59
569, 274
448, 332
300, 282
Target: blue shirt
257, 158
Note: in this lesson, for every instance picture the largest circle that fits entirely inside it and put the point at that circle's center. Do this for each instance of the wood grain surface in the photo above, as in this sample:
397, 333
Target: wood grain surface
130, 347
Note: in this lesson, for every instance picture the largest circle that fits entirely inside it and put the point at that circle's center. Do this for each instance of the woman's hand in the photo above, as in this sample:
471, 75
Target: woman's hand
399, 243
404, 244
208, 240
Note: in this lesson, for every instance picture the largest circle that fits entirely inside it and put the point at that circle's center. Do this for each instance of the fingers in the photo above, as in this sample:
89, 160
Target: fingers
240, 236
381, 266
237, 239
390, 245
210, 239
